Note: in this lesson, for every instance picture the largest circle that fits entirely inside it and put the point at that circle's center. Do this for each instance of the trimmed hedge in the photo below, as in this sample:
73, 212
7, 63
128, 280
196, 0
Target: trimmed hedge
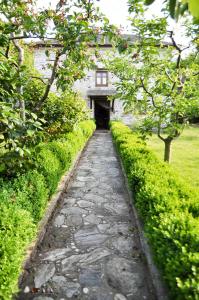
169, 210
16, 232
23, 201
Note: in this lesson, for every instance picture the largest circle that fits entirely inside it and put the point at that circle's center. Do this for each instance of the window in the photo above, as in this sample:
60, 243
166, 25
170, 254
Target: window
101, 78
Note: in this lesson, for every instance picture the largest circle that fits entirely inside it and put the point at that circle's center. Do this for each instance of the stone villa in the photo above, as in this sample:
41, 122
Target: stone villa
94, 88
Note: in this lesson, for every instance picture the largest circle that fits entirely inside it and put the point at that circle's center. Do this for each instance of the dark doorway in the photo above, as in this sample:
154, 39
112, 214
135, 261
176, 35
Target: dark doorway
102, 112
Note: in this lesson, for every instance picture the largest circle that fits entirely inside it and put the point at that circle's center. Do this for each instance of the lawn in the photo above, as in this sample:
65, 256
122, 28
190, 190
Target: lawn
185, 153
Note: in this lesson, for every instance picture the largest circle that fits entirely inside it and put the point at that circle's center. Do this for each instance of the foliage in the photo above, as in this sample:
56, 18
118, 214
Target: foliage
185, 155
23, 92
178, 7
169, 209
49, 166
29, 192
87, 127
16, 137
16, 232
73, 28
24, 199
157, 79
64, 112
33, 91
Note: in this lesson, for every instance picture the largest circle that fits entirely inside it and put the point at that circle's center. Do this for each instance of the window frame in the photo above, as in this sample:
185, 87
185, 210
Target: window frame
101, 71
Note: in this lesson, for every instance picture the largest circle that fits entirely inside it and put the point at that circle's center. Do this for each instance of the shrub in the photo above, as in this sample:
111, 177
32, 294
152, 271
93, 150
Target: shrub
87, 128
64, 112
49, 166
16, 232
28, 192
169, 209
62, 151
24, 199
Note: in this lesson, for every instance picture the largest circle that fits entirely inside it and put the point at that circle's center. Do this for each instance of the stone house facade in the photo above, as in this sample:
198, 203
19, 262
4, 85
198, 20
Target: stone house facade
95, 87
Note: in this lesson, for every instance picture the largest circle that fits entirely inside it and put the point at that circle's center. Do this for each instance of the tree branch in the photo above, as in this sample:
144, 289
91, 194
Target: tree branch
169, 77
146, 91
159, 135
21, 37
174, 42
7, 51
51, 80
20, 51
39, 78
20, 88
179, 56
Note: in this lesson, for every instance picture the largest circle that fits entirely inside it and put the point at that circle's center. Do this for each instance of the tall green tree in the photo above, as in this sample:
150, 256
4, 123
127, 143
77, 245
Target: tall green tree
156, 79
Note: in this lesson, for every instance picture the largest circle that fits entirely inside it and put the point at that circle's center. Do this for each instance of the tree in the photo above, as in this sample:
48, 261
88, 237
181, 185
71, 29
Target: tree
73, 25
157, 79
176, 8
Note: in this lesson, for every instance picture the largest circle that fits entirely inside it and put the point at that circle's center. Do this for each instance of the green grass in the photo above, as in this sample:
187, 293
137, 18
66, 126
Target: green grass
184, 155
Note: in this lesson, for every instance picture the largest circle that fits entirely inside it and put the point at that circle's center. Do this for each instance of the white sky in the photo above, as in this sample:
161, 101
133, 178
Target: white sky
117, 12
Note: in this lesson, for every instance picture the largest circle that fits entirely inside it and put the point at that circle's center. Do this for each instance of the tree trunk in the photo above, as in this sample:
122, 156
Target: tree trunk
20, 88
167, 149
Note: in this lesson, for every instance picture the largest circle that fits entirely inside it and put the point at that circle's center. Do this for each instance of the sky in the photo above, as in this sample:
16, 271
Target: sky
117, 13
115, 10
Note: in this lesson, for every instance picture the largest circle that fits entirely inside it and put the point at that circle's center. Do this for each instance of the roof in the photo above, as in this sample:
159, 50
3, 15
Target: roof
102, 41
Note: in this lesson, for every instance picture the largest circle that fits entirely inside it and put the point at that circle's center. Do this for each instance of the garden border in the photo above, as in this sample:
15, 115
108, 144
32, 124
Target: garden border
160, 288
52, 204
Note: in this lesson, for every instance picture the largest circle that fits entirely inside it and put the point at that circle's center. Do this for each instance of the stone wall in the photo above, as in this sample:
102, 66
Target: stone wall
41, 62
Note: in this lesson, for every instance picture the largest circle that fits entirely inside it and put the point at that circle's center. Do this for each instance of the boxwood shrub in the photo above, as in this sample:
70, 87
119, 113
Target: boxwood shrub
169, 209
24, 199
16, 232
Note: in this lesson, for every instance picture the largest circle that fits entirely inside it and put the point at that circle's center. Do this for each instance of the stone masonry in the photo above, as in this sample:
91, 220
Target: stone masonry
91, 250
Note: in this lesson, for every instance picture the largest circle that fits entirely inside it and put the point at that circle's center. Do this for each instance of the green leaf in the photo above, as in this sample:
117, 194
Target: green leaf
43, 121
47, 53
149, 2
194, 8
30, 132
34, 116
183, 8
172, 7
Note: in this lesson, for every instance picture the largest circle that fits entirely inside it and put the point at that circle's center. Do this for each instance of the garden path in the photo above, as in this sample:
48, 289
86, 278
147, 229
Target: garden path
91, 250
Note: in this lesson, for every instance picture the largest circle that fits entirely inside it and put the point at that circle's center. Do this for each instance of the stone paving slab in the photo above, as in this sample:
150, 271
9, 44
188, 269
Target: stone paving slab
91, 250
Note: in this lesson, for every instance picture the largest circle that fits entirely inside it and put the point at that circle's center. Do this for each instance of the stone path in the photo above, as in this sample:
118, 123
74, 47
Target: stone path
91, 250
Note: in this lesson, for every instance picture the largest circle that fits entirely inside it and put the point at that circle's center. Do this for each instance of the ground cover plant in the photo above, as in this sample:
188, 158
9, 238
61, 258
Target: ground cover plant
24, 199
169, 209
185, 155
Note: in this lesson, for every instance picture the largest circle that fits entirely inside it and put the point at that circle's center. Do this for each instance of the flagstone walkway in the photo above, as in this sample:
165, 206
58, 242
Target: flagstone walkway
91, 250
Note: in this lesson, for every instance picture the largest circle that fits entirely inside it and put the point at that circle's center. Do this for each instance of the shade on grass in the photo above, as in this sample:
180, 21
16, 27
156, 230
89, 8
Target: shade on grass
185, 153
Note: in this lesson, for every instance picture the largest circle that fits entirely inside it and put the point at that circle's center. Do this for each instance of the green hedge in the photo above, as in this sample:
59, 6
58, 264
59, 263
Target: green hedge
23, 201
169, 210
16, 232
